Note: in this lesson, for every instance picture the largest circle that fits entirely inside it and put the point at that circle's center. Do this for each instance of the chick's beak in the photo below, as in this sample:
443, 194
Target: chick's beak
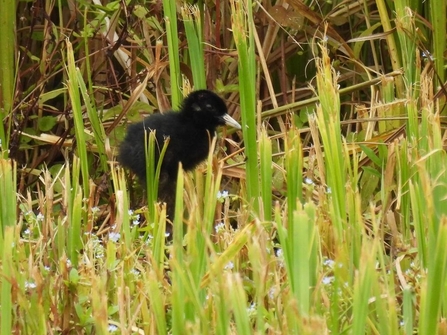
229, 121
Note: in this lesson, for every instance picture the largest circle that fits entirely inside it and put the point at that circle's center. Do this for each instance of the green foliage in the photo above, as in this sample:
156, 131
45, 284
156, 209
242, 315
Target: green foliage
8, 55
326, 213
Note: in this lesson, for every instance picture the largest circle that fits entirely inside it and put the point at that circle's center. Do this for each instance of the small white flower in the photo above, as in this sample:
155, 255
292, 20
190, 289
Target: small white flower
229, 266
135, 222
272, 293
428, 55
280, 256
40, 217
114, 236
68, 262
329, 190
47, 268
30, 285
329, 263
112, 328
308, 181
130, 212
135, 272
149, 239
252, 308
222, 195
219, 227
167, 234
99, 251
279, 253
95, 209
328, 280
26, 231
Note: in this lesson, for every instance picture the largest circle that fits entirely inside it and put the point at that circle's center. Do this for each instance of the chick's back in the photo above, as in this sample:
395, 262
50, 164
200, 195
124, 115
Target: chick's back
188, 144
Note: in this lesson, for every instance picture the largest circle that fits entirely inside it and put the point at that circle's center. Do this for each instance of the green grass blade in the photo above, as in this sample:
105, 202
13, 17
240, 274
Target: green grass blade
8, 198
362, 289
6, 313
178, 287
408, 314
98, 129
242, 25
157, 302
328, 120
438, 15
170, 12
81, 145
395, 55
293, 164
194, 34
434, 285
239, 303
7, 69
75, 211
265, 151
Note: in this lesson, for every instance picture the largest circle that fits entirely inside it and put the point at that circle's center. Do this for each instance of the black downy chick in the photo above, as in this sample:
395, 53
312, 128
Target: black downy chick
190, 132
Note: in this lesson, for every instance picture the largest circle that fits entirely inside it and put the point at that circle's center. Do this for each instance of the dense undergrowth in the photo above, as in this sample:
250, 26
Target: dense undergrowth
325, 214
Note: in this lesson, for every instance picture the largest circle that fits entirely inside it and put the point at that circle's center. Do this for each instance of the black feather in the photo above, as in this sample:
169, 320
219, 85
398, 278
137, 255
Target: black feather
190, 131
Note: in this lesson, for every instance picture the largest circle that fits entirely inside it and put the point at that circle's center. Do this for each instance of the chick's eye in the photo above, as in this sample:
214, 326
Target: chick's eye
209, 107
196, 107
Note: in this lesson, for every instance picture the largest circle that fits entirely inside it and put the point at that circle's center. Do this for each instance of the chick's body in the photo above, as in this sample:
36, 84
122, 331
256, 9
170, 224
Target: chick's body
188, 144
189, 131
